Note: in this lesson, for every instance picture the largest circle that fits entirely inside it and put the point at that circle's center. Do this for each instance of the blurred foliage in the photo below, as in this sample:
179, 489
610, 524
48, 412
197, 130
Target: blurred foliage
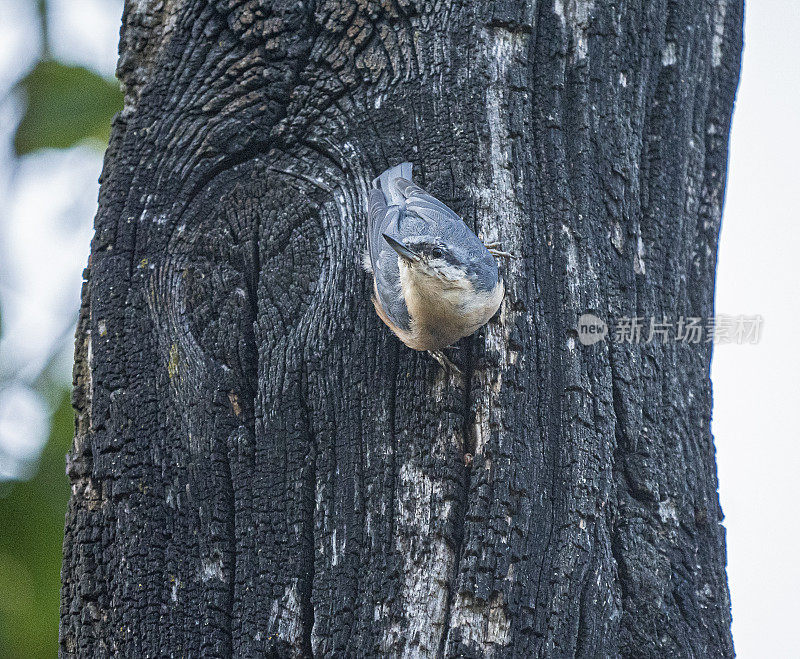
65, 105
32, 518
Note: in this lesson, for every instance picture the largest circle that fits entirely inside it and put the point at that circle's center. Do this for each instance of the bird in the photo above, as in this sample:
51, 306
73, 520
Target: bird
434, 280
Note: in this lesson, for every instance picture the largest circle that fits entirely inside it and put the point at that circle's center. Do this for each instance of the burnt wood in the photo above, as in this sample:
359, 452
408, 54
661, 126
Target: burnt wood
261, 469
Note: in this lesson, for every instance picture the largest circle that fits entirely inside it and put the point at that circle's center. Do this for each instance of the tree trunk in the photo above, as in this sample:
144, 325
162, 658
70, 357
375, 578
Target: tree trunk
261, 468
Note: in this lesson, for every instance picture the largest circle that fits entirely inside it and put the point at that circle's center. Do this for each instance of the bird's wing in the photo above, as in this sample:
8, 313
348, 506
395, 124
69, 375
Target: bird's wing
385, 183
383, 259
425, 205
445, 222
377, 221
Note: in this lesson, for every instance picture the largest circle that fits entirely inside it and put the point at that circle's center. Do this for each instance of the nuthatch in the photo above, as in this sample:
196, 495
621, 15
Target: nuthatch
434, 280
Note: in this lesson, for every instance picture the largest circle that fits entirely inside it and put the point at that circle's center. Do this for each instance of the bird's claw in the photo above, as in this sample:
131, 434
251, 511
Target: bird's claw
444, 362
498, 253
496, 249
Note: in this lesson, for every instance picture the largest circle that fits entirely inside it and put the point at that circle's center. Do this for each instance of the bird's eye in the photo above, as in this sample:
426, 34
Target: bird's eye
437, 253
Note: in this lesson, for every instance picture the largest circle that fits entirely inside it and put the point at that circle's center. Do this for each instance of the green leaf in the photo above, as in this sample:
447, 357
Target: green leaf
32, 531
65, 105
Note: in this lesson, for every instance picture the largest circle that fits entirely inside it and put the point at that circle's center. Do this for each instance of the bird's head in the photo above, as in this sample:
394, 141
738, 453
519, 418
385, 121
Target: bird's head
450, 266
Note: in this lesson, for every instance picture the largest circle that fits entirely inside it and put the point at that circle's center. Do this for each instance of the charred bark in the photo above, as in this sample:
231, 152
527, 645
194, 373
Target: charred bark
260, 468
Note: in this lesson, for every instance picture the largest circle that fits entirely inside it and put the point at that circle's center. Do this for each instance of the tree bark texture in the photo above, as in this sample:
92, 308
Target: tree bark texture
261, 469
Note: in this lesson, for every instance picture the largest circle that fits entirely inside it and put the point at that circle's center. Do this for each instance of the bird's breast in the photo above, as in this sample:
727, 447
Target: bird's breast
443, 312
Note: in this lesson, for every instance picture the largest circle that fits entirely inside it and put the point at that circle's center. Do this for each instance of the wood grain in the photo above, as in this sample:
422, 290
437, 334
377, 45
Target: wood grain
261, 469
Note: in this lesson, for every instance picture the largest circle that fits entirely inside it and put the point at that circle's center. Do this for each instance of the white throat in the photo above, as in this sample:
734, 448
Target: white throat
443, 310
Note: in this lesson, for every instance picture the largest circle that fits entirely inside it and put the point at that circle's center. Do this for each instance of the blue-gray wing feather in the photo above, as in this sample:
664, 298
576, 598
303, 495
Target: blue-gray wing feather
383, 258
427, 206
446, 223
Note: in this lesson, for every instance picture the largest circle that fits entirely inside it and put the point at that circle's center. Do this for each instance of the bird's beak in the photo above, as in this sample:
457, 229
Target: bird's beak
401, 248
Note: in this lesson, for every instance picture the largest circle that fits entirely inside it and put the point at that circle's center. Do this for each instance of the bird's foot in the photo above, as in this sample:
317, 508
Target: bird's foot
444, 362
497, 253
496, 250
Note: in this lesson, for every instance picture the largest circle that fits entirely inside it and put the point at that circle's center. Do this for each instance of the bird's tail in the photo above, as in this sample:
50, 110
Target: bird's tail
385, 182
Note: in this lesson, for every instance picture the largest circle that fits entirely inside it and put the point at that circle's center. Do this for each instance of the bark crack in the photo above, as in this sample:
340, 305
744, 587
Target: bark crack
308, 568
393, 371
469, 442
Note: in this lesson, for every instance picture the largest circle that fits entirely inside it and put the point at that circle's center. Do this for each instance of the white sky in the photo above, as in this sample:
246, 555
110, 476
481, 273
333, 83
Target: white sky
756, 391
47, 203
